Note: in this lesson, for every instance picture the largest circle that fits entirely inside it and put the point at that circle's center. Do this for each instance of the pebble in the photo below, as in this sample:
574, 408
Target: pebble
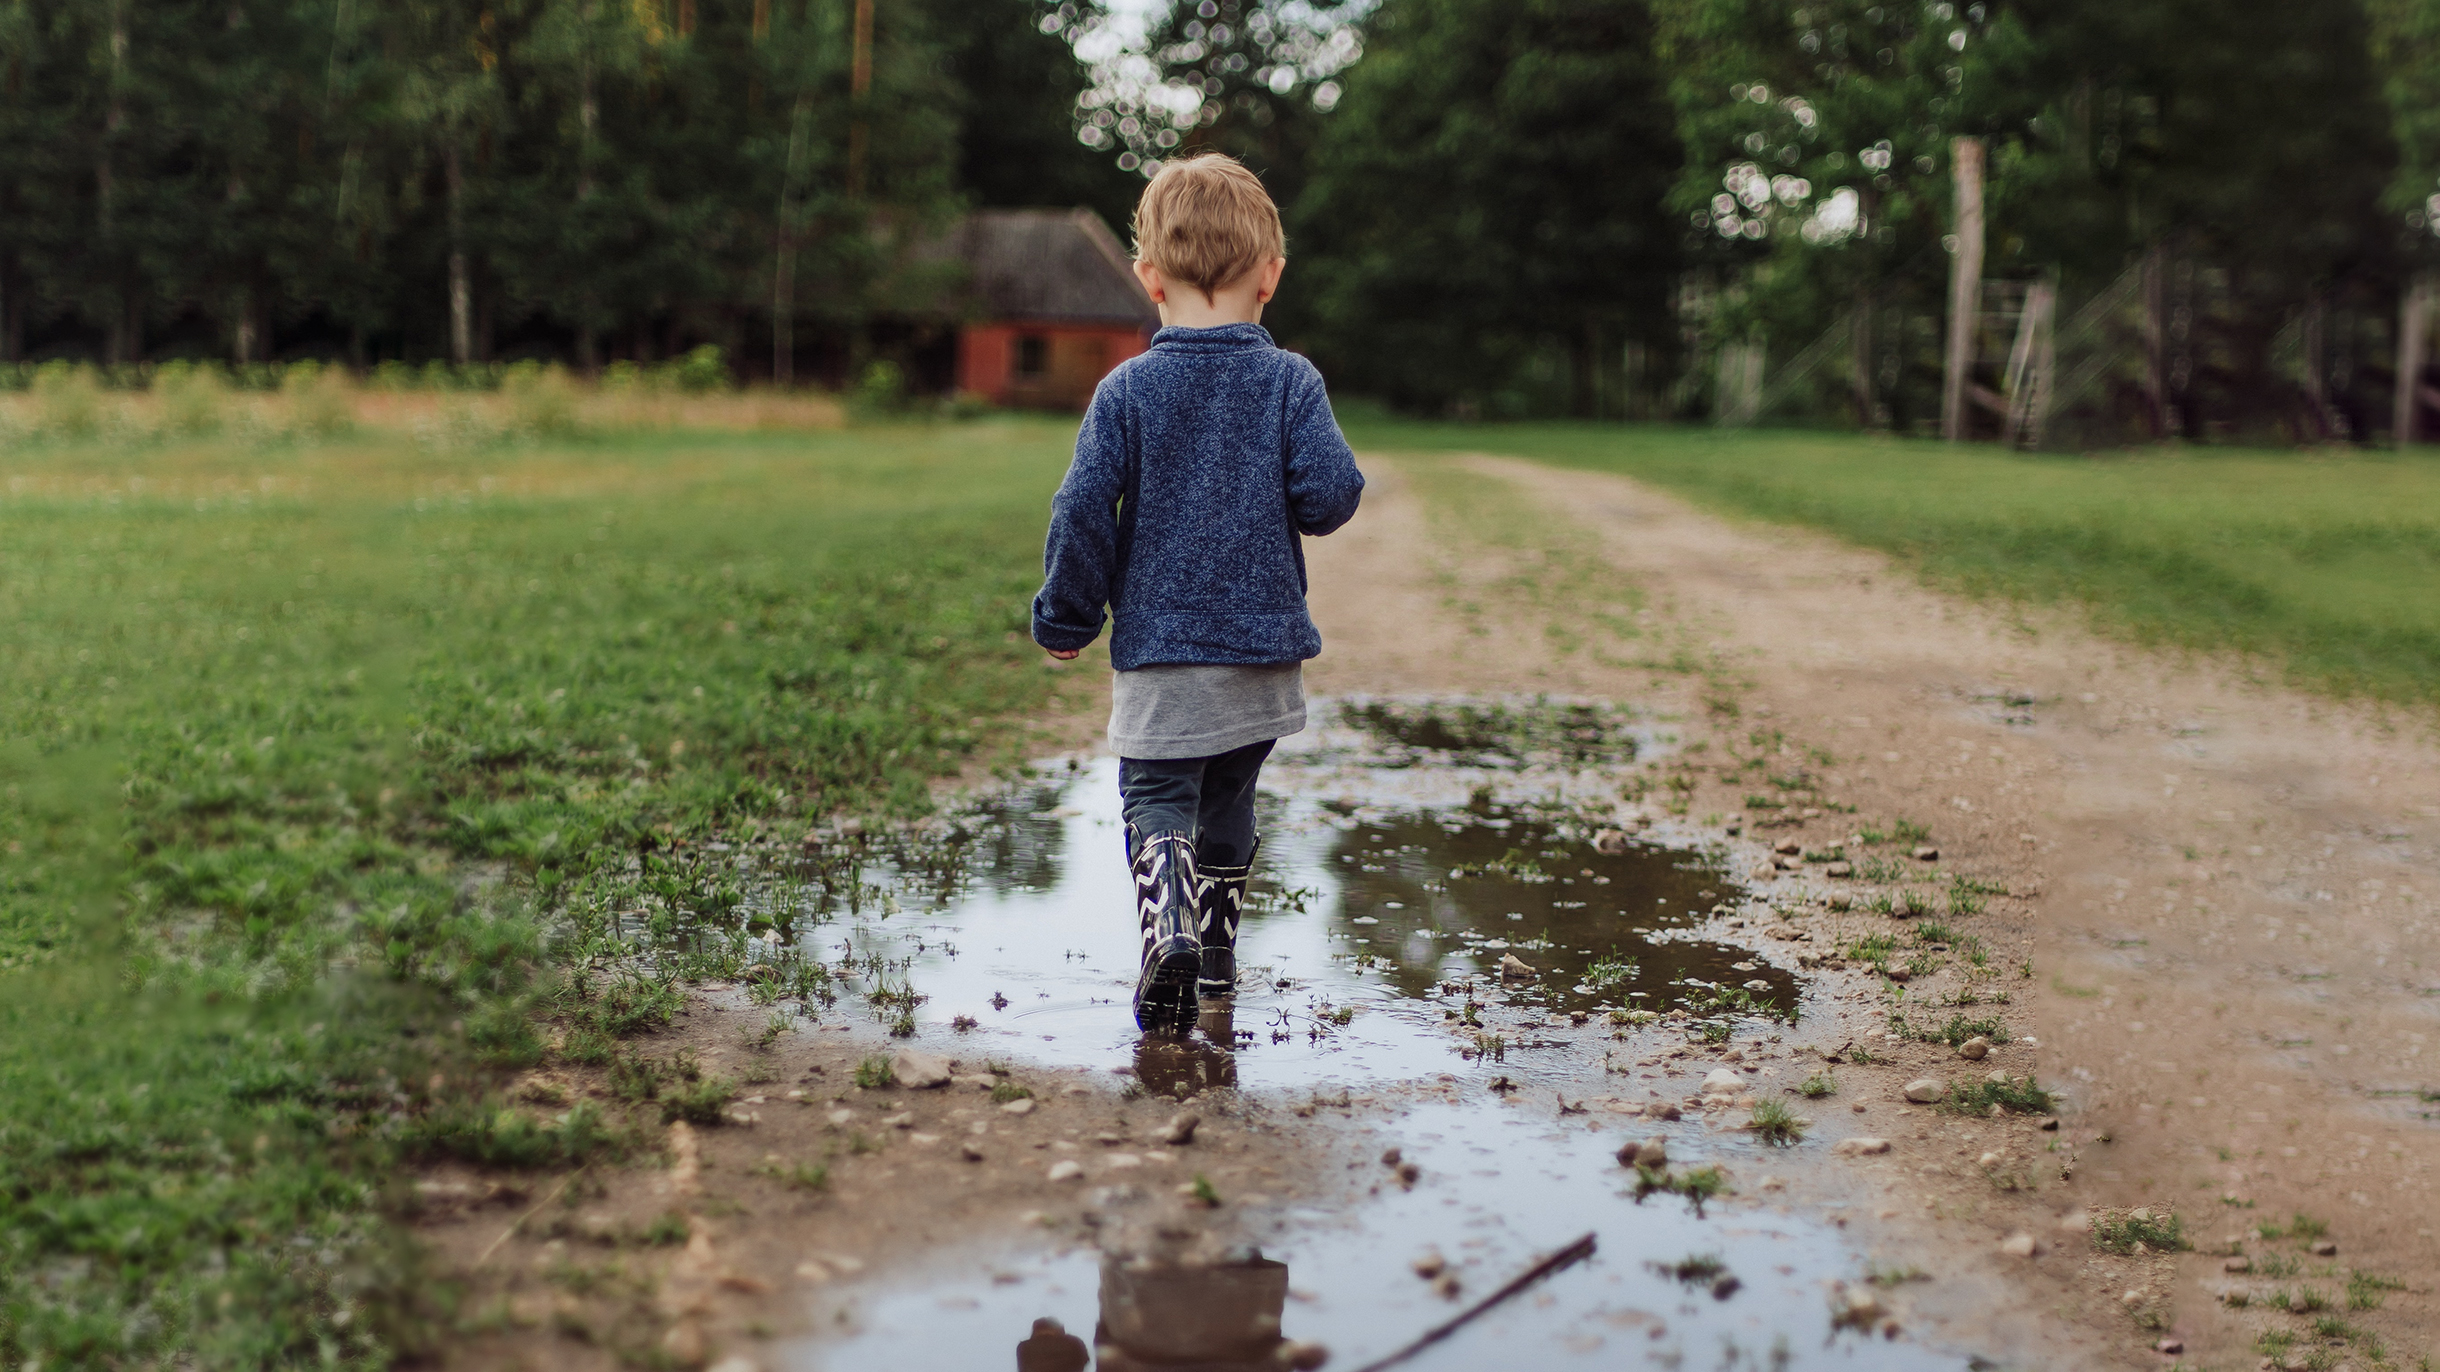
1514, 968
2170, 1346
841, 1116
1927, 853
1181, 1130
970, 1152
2019, 1245
1610, 842
1722, 1079
1430, 1265
1298, 1355
1925, 1090
1860, 1147
904, 1119
1068, 1170
1992, 1159
1408, 1173
684, 1344
919, 1071
2325, 1249
1022, 1105
1974, 1049
1787, 847
2238, 1264
1125, 1160
1839, 869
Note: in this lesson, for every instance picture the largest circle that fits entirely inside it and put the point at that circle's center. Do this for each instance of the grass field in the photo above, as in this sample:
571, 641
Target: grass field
281, 711
2325, 567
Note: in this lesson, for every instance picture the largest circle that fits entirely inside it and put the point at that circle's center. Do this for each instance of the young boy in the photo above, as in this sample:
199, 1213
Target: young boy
1199, 464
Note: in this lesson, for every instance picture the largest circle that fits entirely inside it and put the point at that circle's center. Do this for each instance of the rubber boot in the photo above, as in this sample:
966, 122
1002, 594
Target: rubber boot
1220, 905
1165, 908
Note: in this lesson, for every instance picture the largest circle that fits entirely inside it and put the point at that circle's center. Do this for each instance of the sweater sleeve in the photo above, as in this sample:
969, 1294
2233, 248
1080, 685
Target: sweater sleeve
1323, 483
1080, 557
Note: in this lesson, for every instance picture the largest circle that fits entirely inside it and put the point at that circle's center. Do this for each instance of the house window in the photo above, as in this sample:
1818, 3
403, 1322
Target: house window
1033, 357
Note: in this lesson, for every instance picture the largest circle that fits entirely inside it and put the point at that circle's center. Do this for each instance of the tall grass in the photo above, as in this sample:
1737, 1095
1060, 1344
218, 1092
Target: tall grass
324, 766
2326, 565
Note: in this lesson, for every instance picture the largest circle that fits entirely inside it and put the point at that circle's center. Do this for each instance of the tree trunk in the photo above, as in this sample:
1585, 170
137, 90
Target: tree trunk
1965, 286
461, 290
1859, 356
2156, 340
2414, 341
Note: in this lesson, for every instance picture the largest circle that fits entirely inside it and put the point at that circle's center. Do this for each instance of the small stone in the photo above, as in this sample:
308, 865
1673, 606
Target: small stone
1840, 900
1068, 1170
1446, 1286
2049, 1125
2133, 1297
1926, 1090
1296, 1355
1991, 1159
970, 1152
1722, 1079
1664, 1111
2019, 1245
1652, 1153
684, 1344
2325, 1249
1408, 1173
1787, 847
904, 1119
919, 1071
1181, 1130
2240, 1263
1839, 869
1514, 968
2170, 1346
1430, 1265
1974, 1049
1022, 1105
1927, 853
1390, 1157
840, 1116
1610, 842
1860, 1147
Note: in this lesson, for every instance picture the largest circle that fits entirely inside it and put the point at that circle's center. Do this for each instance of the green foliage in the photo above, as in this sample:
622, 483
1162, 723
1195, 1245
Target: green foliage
2118, 1231
2019, 1096
1697, 1184
1004, 1092
1818, 1085
1489, 192
1958, 1029
1774, 1123
874, 1073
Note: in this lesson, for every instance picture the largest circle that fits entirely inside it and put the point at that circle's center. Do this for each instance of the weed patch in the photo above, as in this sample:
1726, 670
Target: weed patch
2156, 1230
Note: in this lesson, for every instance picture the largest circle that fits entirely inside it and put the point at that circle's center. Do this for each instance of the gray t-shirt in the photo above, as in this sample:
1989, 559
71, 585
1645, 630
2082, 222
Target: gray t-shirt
1198, 711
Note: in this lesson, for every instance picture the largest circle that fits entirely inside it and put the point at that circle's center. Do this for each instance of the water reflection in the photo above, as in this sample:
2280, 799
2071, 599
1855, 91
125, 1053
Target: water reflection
1220, 1317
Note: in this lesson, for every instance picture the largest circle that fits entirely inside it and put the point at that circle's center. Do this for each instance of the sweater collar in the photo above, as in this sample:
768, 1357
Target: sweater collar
1226, 338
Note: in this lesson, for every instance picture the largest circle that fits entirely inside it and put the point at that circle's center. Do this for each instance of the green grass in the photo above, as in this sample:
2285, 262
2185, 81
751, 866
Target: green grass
339, 778
1774, 1123
2118, 1231
2325, 564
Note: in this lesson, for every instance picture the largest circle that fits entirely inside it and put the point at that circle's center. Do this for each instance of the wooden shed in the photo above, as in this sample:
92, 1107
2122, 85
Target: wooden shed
1052, 306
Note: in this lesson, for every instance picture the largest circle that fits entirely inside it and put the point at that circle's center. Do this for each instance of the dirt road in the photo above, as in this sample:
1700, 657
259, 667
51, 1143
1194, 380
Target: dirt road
2235, 980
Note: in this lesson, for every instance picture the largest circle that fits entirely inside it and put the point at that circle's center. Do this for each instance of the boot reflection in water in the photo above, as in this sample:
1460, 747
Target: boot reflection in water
1179, 1068
1052, 1349
1220, 1317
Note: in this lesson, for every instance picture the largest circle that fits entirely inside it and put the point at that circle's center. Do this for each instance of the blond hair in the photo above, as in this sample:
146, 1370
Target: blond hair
1205, 221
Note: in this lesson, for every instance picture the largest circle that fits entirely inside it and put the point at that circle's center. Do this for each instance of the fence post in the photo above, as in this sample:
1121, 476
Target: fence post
2414, 337
1965, 284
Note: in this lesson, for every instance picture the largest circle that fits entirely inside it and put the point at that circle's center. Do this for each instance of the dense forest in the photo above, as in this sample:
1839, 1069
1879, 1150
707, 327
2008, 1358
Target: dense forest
1604, 207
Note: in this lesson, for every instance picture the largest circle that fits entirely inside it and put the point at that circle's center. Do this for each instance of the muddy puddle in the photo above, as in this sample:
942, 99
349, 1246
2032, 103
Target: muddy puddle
1388, 893
1408, 850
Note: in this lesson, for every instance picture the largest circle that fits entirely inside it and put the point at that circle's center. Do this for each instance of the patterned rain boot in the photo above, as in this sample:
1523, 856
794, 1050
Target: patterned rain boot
1219, 908
1165, 907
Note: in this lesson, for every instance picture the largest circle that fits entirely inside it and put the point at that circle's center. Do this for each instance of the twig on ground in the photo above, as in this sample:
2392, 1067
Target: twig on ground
1566, 1257
494, 1245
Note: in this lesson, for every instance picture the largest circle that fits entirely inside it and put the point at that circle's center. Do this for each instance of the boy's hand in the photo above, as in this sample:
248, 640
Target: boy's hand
1064, 654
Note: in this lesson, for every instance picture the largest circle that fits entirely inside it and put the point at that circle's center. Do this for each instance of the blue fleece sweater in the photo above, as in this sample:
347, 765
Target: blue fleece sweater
1199, 464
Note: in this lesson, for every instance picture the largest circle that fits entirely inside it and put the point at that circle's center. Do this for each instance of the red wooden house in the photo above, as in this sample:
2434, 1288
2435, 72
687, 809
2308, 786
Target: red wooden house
1052, 306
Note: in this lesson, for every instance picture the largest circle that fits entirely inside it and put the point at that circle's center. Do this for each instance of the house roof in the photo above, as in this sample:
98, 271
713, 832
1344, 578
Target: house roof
1051, 265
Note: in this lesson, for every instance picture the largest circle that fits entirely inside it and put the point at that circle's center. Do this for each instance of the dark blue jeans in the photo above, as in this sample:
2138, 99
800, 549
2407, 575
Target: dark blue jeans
1210, 797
